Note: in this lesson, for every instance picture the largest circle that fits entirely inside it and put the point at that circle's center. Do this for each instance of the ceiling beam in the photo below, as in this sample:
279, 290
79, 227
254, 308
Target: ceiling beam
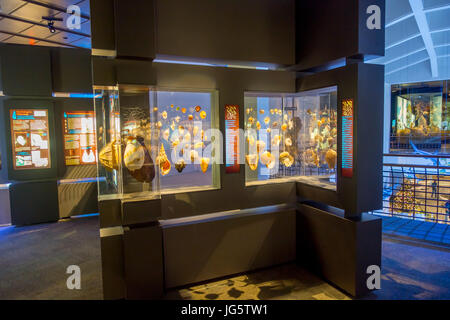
13, 34
422, 23
24, 20
54, 7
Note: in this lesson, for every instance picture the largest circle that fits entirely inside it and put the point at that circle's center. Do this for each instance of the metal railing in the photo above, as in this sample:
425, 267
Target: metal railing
416, 187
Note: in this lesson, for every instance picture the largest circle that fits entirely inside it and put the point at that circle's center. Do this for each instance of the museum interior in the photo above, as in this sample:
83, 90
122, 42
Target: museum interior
225, 150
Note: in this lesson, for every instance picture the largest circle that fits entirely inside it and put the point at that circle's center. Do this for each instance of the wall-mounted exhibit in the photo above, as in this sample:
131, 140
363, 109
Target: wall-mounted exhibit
48, 144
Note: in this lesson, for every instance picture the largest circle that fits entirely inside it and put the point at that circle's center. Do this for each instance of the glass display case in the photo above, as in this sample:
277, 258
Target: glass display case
127, 141
292, 137
420, 117
188, 123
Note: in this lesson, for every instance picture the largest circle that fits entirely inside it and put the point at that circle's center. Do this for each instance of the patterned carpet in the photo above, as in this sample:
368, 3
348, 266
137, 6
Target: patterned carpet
287, 282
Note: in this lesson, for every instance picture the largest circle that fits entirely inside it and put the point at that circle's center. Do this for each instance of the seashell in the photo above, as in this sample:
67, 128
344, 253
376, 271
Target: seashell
187, 137
331, 158
180, 165
288, 142
250, 120
195, 131
309, 111
280, 112
260, 146
134, 155
272, 111
147, 172
166, 134
175, 143
199, 145
164, 115
183, 110
172, 126
284, 127
155, 109
267, 120
159, 124
275, 124
203, 114
252, 161
194, 156
181, 130
177, 119
204, 164
269, 130
250, 140
109, 156
177, 108
258, 125
198, 108
248, 110
333, 132
163, 162
276, 140
286, 159
291, 124
285, 117
261, 111
171, 105
191, 117
268, 160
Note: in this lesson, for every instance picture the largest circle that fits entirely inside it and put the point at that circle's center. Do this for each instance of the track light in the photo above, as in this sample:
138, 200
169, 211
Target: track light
51, 26
51, 23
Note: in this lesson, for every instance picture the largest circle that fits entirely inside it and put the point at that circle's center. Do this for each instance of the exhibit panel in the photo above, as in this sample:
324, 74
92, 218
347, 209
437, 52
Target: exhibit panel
31, 150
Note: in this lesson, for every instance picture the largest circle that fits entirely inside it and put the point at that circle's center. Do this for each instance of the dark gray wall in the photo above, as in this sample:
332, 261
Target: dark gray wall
26, 70
245, 30
329, 30
71, 70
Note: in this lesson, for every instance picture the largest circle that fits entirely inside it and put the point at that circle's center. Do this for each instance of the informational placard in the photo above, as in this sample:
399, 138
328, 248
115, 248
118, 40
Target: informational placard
30, 139
347, 138
80, 146
232, 138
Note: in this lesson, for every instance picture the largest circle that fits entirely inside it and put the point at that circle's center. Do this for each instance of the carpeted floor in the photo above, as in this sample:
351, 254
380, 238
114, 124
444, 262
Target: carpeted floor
33, 262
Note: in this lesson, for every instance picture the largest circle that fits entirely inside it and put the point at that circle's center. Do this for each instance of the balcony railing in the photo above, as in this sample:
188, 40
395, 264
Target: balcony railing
416, 187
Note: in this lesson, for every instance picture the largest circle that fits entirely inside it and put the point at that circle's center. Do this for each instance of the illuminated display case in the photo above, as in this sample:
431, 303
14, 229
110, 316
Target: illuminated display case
128, 144
292, 137
420, 118
188, 123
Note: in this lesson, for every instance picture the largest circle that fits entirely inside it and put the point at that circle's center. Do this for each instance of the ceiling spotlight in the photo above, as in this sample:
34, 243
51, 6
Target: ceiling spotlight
51, 27
51, 23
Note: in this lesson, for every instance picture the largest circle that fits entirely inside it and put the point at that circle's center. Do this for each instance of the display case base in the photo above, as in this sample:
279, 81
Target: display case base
34, 202
339, 249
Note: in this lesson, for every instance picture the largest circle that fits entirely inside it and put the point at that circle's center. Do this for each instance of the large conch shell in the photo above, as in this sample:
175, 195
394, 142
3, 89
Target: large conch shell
330, 158
147, 172
163, 162
134, 156
286, 159
252, 161
109, 156
204, 163
268, 160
